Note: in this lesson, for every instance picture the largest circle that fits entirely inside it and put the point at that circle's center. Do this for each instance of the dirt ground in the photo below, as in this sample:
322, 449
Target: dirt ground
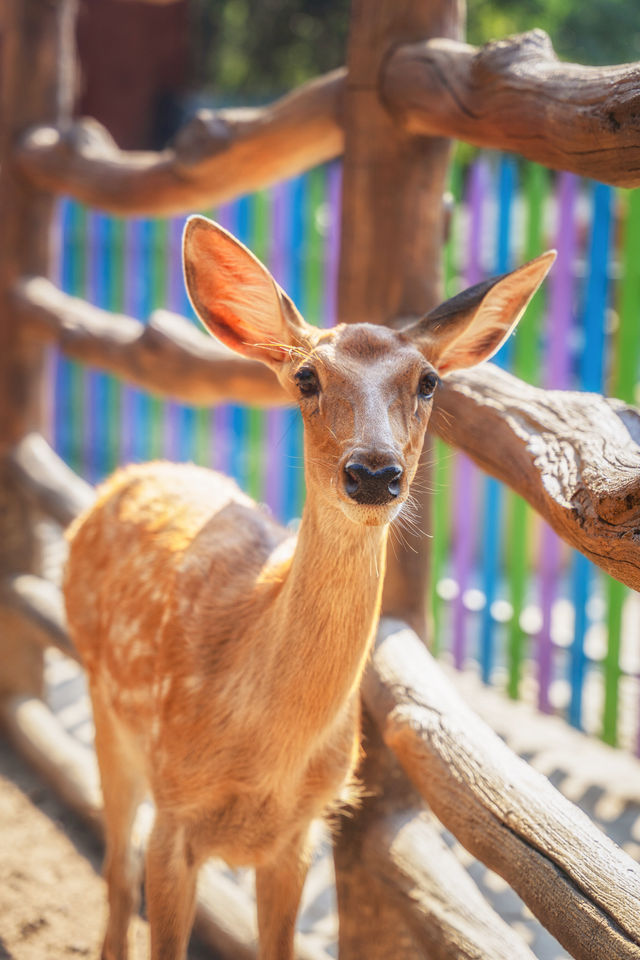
52, 896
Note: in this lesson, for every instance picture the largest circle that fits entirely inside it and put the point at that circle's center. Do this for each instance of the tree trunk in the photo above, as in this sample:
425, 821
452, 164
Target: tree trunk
37, 86
392, 225
390, 266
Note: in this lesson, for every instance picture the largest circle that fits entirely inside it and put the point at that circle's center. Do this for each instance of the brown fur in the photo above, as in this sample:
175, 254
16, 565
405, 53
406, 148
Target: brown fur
224, 658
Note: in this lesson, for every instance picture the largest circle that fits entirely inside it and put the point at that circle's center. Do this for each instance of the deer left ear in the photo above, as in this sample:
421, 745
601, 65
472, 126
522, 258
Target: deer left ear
473, 325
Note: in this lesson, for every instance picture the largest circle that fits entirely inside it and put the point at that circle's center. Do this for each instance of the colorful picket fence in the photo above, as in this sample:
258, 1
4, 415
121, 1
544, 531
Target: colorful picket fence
507, 595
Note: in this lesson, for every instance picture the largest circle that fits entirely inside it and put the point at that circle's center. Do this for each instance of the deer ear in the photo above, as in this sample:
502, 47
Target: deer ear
473, 325
235, 296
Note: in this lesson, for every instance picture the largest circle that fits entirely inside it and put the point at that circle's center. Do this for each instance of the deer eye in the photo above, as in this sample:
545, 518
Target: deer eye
307, 382
427, 386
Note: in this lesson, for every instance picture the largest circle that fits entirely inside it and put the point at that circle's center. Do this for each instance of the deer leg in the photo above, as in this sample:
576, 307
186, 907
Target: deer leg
278, 891
123, 790
170, 884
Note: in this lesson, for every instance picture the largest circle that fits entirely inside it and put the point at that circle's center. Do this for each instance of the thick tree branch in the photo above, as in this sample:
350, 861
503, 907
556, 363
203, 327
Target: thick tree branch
168, 356
48, 481
39, 602
446, 912
574, 456
515, 95
217, 156
411, 895
582, 887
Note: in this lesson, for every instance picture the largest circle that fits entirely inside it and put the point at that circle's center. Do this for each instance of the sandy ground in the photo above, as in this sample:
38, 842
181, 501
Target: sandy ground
52, 896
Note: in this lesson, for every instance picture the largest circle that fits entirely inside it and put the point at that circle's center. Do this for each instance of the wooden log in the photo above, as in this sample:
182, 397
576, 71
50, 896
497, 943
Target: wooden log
422, 903
514, 94
68, 767
447, 914
218, 155
393, 226
169, 355
224, 915
52, 486
574, 456
582, 887
36, 87
39, 602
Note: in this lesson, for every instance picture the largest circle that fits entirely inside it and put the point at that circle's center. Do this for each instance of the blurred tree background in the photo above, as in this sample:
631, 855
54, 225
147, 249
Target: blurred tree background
247, 49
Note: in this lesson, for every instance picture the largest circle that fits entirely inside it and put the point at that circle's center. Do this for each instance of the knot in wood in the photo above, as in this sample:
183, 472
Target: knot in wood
499, 56
207, 134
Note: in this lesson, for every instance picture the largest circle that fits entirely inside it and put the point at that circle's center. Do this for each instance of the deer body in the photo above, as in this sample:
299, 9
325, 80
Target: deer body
210, 609
224, 657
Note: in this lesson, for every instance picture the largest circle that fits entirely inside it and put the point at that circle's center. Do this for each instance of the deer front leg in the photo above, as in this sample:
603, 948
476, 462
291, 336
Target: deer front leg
170, 885
278, 891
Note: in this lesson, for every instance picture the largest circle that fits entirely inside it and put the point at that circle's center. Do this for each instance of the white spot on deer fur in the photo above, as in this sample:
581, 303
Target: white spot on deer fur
132, 696
165, 687
193, 684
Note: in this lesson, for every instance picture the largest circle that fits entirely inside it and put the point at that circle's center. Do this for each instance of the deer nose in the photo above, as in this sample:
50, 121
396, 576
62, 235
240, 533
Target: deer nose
372, 486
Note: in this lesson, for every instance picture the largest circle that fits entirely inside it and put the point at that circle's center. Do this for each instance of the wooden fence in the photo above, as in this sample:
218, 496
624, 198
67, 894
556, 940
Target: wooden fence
498, 575
409, 82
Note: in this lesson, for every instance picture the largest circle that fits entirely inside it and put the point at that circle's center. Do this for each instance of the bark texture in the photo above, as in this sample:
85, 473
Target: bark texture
582, 887
218, 155
393, 225
36, 86
514, 94
574, 456
421, 902
169, 355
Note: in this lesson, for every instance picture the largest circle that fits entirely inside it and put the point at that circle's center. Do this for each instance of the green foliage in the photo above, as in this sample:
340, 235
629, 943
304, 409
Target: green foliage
261, 49
253, 50
597, 32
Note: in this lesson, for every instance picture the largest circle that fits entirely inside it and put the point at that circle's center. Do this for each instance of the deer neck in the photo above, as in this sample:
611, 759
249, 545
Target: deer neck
327, 611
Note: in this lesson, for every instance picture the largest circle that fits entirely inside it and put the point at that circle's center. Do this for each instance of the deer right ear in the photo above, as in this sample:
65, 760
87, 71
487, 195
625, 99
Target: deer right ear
235, 296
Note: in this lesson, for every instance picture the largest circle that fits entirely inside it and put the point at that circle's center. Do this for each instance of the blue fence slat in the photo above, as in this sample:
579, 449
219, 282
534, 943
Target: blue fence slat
494, 494
591, 372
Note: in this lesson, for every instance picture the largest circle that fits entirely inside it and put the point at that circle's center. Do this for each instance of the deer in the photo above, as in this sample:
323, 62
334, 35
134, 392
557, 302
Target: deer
223, 653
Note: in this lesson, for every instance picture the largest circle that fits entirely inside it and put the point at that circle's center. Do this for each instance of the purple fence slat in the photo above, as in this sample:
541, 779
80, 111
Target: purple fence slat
557, 375
465, 484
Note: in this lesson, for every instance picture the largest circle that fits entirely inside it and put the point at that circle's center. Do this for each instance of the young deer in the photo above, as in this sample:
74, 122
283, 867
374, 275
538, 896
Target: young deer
223, 657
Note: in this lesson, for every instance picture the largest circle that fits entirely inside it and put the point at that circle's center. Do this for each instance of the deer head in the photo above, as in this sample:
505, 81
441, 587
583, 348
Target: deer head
365, 391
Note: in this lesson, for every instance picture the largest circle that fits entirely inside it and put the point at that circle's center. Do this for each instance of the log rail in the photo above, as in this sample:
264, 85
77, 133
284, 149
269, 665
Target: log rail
512, 94
575, 458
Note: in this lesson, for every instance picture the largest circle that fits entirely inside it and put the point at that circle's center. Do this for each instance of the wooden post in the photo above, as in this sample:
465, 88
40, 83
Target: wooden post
390, 266
392, 224
371, 925
37, 87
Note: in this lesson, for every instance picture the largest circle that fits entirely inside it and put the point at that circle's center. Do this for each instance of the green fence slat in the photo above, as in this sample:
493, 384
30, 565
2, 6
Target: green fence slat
526, 362
201, 443
623, 385
441, 478
314, 254
260, 233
